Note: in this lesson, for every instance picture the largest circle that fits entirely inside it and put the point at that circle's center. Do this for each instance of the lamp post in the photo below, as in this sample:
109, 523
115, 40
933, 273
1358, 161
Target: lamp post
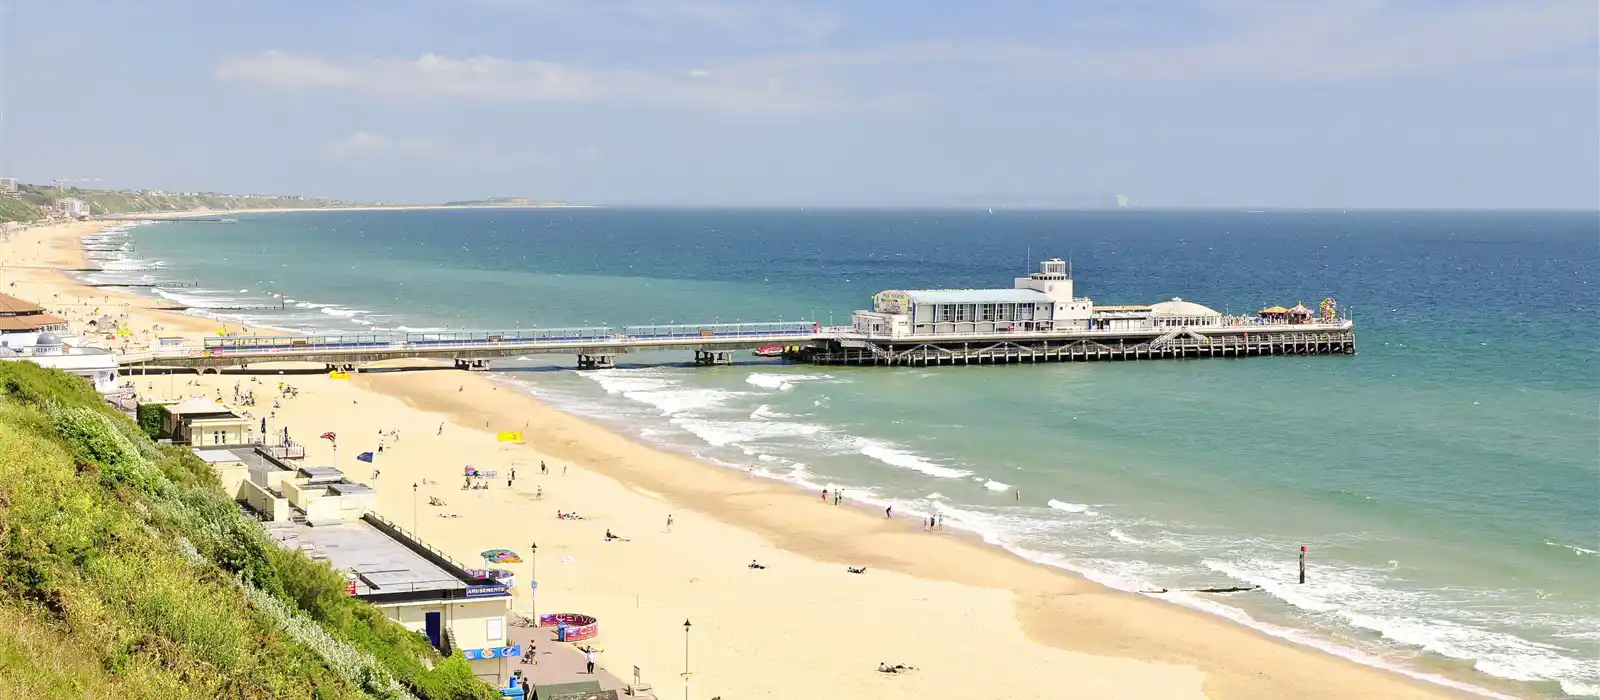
685, 659
533, 598
413, 509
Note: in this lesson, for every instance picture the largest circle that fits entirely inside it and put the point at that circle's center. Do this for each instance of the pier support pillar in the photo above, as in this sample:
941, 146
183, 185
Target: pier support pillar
713, 357
597, 361
472, 365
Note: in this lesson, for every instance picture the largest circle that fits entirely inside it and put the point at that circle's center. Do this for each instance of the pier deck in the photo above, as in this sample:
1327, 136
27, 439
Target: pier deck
716, 343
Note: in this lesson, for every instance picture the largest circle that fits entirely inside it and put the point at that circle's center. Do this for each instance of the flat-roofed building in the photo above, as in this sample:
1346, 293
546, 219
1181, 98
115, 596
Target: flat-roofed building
201, 422
1042, 301
416, 586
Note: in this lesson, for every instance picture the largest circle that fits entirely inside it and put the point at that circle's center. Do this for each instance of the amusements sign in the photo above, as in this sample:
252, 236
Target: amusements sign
485, 591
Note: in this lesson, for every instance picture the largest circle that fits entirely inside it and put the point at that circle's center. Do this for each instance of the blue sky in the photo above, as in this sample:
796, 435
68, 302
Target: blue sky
1236, 103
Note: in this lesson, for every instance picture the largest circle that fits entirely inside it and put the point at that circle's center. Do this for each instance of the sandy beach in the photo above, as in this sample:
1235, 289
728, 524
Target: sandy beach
973, 621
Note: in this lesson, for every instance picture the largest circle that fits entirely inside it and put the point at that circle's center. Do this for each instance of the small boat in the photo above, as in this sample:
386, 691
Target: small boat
769, 351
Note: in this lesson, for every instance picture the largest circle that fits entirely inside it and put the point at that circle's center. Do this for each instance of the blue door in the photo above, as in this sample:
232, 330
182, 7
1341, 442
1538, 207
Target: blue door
431, 624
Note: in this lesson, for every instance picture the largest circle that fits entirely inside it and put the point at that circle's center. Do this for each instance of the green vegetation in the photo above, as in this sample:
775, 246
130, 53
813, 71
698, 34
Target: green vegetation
125, 572
34, 202
153, 420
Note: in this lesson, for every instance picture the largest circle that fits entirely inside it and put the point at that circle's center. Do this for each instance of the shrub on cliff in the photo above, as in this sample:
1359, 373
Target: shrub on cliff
125, 572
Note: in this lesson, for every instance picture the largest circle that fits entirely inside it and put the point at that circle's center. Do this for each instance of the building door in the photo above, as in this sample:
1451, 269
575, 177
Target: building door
431, 625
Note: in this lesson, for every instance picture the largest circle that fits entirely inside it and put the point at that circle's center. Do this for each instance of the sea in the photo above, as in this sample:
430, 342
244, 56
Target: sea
1445, 480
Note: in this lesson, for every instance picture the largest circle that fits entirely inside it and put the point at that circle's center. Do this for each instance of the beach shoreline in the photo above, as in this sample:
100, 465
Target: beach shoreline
960, 610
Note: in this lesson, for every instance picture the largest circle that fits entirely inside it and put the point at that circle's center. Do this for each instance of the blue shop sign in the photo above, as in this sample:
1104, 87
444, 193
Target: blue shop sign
510, 652
488, 590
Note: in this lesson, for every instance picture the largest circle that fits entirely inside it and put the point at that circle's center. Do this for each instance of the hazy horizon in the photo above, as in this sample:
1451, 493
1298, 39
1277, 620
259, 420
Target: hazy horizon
1189, 104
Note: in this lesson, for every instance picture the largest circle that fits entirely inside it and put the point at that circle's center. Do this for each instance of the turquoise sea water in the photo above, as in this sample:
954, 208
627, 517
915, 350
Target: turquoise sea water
1446, 479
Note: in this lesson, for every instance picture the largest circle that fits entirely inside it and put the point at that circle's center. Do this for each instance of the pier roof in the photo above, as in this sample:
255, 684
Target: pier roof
978, 296
1179, 307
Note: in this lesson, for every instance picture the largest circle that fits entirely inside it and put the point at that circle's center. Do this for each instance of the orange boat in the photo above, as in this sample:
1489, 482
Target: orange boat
769, 351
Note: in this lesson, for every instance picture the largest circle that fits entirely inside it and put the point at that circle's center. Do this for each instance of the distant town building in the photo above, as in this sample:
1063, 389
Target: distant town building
8, 185
72, 208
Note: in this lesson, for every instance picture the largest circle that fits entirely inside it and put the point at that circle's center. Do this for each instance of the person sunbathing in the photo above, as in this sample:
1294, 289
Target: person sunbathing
856, 569
754, 565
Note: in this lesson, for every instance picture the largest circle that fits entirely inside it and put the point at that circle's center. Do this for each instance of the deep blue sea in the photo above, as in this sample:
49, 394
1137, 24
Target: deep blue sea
1446, 479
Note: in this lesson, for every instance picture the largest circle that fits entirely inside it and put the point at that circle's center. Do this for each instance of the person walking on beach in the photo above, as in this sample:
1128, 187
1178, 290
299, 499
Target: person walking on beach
588, 659
669, 523
888, 512
539, 494
563, 470
441, 429
838, 496
543, 470
824, 495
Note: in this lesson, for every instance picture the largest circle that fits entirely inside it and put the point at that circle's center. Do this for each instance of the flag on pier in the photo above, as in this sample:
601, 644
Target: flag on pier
330, 437
364, 457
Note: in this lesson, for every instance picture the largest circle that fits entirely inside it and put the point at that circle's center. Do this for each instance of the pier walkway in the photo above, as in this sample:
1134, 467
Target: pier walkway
716, 343
595, 347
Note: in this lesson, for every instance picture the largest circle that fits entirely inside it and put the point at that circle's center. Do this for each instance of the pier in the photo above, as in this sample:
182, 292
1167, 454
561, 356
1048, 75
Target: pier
1038, 319
717, 344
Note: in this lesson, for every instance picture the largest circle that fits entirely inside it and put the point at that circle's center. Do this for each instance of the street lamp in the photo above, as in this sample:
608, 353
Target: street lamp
533, 598
413, 510
685, 659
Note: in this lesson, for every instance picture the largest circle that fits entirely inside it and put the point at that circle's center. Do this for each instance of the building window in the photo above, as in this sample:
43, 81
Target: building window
947, 312
963, 312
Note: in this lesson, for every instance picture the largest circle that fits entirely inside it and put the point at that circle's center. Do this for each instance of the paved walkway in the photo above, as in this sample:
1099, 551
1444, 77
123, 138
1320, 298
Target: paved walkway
561, 662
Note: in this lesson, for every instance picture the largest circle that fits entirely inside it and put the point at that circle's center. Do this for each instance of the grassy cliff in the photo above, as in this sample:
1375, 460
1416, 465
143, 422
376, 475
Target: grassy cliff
126, 573
34, 202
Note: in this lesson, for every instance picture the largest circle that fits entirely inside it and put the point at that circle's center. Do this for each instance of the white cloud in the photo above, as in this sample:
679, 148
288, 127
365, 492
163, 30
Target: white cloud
365, 145
491, 79
773, 18
1287, 41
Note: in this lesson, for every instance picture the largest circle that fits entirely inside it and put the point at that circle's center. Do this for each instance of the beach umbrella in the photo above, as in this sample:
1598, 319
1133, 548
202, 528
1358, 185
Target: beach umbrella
501, 556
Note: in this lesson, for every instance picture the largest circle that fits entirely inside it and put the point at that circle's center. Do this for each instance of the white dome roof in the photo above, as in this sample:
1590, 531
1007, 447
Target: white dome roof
1179, 307
47, 339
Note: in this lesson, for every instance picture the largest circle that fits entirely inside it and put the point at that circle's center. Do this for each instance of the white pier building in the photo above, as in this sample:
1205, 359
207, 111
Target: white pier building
1042, 302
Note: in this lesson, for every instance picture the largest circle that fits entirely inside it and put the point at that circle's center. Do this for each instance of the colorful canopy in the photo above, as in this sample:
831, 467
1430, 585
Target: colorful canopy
1274, 310
503, 556
1301, 309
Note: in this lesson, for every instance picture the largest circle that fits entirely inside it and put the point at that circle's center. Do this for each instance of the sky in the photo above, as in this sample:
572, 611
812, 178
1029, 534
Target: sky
1171, 103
